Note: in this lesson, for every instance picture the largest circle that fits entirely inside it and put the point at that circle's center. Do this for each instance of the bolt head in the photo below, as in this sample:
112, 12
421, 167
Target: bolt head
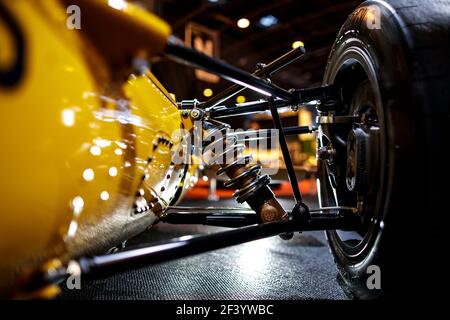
195, 113
325, 153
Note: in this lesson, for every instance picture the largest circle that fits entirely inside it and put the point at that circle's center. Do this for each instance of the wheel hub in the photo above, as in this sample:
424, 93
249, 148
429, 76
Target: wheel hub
357, 160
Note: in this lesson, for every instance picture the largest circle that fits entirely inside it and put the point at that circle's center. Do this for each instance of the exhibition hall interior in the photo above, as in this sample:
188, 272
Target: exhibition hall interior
222, 150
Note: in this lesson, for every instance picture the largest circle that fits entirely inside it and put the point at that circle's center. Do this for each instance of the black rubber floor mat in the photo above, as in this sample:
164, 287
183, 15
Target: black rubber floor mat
301, 268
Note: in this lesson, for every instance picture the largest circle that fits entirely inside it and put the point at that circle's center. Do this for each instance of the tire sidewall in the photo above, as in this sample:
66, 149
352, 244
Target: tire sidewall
385, 49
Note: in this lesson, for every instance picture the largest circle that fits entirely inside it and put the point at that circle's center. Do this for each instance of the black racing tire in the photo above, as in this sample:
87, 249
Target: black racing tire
409, 56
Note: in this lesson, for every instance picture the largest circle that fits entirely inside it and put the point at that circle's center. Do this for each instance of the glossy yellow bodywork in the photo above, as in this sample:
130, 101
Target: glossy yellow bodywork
86, 159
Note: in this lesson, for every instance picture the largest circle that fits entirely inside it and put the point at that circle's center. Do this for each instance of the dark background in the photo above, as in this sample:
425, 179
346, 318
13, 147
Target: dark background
316, 23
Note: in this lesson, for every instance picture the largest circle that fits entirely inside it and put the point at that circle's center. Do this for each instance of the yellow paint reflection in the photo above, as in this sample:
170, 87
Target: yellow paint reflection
112, 171
88, 174
72, 229
102, 143
68, 117
96, 151
117, 4
104, 195
77, 205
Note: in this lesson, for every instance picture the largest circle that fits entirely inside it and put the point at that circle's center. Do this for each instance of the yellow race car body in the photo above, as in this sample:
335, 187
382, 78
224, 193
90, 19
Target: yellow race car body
86, 139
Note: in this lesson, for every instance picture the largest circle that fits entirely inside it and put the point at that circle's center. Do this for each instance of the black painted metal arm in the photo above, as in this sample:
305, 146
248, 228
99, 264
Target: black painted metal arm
186, 246
326, 96
105, 265
264, 71
233, 219
226, 71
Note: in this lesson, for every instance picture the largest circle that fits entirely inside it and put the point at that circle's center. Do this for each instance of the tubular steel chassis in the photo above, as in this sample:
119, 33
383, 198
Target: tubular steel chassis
301, 218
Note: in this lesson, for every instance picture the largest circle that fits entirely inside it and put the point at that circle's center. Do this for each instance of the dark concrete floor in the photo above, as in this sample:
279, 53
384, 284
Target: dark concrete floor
301, 268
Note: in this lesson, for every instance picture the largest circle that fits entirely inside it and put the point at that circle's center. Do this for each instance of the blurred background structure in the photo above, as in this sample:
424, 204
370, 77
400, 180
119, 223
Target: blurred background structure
245, 32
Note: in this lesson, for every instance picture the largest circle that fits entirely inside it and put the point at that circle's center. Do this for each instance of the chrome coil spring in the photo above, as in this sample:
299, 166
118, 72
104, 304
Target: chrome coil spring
243, 175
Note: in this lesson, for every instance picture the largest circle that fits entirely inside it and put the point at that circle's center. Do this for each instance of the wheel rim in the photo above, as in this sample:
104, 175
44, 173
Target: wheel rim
364, 98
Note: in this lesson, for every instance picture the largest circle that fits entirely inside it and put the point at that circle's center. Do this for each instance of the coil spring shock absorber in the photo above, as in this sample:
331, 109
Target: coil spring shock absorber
226, 153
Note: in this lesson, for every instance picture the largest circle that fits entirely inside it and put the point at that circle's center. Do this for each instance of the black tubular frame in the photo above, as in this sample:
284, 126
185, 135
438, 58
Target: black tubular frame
301, 218
105, 265
186, 246
285, 151
264, 71
196, 59
328, 94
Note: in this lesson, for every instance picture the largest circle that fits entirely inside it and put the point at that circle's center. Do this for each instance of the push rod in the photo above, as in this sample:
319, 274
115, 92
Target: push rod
285, 151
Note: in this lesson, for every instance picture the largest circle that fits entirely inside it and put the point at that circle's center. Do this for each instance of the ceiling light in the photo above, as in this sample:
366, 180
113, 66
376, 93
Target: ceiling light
207, 92
268, 21
240, 99
243, 23
297, 44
